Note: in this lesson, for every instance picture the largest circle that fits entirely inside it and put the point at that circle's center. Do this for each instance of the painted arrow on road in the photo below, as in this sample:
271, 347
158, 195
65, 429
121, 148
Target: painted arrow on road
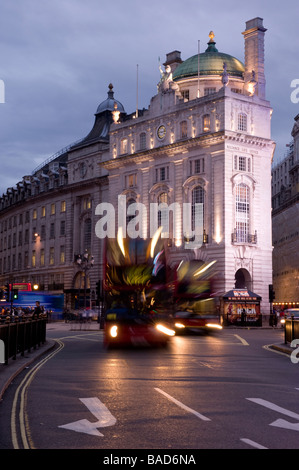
100, 411
280, 423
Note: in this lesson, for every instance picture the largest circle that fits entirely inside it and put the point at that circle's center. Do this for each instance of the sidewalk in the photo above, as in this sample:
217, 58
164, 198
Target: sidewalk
14, 367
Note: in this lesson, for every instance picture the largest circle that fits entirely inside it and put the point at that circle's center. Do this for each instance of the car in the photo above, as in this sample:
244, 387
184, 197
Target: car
185, 321
288, 314
125, 327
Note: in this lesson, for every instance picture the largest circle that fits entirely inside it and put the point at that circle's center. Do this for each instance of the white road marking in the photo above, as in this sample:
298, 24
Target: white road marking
280, 423
253, 444
100, 411
181, 405
243, 341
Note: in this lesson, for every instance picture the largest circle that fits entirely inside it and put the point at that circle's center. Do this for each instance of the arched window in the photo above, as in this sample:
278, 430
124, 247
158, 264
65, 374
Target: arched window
163, 212
87, 234
142, 141
242, 213
130, 217
197, 198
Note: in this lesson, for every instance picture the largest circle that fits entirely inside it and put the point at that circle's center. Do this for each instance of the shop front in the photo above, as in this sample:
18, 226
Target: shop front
241, 307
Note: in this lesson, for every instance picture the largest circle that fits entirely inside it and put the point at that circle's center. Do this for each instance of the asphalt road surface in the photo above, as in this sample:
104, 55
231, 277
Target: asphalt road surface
226, 391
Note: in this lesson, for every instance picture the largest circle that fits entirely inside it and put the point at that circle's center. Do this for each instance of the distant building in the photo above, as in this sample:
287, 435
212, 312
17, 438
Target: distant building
285, 216
205, 138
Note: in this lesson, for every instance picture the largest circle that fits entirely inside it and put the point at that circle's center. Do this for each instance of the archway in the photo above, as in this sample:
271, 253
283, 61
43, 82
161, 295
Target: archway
243, 279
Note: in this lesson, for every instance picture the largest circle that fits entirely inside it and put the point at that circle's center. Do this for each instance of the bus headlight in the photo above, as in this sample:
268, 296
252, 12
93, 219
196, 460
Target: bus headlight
214, 325
165, 330
113, 331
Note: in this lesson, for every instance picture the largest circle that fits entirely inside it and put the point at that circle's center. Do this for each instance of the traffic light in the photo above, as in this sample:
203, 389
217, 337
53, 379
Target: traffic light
15, 294
271, 293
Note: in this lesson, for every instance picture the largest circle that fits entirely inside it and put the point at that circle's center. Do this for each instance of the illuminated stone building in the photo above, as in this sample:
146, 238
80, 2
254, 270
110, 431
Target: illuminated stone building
205, 138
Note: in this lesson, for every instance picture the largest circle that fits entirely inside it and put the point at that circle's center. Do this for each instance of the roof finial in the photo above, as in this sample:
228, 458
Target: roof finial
110, 92
211, 36
211, 43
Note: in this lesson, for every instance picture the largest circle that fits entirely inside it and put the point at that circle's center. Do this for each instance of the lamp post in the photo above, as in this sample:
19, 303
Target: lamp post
85, 262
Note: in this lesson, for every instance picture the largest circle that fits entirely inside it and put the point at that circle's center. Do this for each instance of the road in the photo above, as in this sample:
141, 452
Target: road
227, 391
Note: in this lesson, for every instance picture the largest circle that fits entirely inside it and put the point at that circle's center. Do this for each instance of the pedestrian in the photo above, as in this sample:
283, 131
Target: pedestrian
38, 310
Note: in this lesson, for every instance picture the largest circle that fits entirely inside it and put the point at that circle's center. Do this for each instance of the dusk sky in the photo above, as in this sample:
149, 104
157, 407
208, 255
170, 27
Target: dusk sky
58, 57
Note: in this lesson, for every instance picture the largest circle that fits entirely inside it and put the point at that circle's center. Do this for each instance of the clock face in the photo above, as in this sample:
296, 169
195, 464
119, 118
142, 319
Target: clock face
161, 132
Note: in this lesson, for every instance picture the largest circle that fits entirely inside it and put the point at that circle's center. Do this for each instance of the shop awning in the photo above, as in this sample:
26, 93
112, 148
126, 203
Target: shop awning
241, 295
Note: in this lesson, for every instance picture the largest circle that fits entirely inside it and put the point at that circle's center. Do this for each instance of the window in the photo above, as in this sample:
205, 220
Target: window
131, 180
51, 257
42, 257
197, 166
43, 232
183, 130
43, 211
34, 214
242, 163
163, 213
242, 213
206, 123
130, 217
185, 95
209, 91
52, 230
242, 122
62, 228
86, 203
162, 173
53, 209
62, 254
87, 234
62, 206
197, 198
124, 146
33, 259
142, 141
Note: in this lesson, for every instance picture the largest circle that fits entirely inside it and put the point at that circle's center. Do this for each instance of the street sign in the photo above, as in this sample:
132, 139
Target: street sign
100, 411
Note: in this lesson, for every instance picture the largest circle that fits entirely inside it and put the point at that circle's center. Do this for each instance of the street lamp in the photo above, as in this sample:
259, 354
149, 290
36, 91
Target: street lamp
85, 262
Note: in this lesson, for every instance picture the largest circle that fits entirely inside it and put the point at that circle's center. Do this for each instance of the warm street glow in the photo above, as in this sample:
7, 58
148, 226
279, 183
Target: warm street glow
163, 329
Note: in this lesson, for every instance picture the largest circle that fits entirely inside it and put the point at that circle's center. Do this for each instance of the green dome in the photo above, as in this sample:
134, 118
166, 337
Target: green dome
210, 63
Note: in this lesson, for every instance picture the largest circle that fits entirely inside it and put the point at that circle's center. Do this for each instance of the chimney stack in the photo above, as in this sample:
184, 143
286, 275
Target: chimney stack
254, 36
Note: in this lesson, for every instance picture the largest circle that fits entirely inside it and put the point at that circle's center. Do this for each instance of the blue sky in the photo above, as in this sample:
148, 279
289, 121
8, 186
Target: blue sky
57, 58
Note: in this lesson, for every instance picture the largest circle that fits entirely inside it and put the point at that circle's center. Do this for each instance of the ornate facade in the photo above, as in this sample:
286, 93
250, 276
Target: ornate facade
205, 138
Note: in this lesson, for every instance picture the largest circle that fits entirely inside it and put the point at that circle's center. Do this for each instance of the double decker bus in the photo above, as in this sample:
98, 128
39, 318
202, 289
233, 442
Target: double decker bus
195, 303
136, 291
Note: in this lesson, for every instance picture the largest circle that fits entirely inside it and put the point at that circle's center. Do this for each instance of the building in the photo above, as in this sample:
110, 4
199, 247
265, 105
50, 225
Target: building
204, 140
285, 214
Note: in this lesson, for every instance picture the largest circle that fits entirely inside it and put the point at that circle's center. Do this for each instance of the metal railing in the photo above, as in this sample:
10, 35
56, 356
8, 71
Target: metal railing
21, 335
291, 330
